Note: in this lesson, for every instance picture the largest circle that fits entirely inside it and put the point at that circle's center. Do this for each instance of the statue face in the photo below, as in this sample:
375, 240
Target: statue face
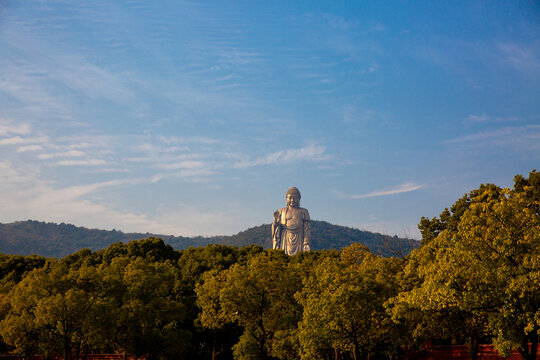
293, 200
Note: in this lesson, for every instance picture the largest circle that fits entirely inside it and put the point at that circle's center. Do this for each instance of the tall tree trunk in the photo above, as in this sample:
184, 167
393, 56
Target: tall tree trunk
357, 355
474, 345
525, 351
66, 348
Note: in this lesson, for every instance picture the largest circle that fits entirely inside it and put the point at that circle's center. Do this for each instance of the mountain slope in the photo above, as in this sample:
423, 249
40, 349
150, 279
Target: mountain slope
59, 240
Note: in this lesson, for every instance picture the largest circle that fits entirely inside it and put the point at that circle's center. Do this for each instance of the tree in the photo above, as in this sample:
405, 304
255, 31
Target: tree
343, 303
53, 309
151, 249
258, 296
449, 219
193, 264
148, 311
486, 262
130, 301
13, 268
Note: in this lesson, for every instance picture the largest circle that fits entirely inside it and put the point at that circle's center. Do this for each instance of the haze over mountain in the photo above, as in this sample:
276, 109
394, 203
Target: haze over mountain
58, 240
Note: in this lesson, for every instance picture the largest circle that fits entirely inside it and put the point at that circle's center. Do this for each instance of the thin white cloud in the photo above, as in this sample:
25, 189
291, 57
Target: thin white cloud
193, 221
183, 165
17, 140
486, 118
310, 153
478, 118
72, 204
89, 149
69, 153
29, 148
21, 129
75, 192
68, 68
331, 20
195, 173
201, 174
87, 162
156, 178
403, 188
521, 56
78, 205
12, 179
139, 159
522, 137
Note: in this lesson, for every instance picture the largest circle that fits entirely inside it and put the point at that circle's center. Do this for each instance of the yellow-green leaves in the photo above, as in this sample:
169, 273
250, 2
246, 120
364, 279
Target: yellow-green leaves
484, 263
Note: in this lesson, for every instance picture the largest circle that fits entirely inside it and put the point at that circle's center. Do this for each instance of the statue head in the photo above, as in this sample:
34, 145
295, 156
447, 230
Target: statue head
293, 197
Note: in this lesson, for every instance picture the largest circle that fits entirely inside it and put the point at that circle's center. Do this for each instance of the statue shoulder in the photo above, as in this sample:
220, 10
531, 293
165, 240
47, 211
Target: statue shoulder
305, 213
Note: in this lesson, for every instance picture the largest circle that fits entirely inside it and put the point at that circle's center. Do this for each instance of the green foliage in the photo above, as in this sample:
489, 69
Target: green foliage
343, 306
148, 310
486, 264
130, 302
14, 267
58, 240
449, 219
53, 309
258, 296
193, 262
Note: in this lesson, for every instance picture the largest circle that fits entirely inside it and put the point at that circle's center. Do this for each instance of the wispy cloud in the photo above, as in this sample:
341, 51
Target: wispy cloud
487, 118
342, 36
490, 56
9, 129
334, 21
17, 140
521, 56
199, 162
26, 148
519, 136
403, 188
86, 162
190, 159
183, 165
363, 116
78, 191
310, 153
88, 149
37, 199
30, 81
78, 205
69, 153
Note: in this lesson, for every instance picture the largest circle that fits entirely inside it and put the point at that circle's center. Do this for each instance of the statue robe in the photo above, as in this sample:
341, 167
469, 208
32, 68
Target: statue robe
292, 232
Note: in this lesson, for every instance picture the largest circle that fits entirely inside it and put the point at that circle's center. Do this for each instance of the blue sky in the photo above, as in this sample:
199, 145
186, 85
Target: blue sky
193, 118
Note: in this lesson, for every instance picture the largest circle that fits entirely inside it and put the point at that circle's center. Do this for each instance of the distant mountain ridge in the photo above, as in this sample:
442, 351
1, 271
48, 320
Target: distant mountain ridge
58, 240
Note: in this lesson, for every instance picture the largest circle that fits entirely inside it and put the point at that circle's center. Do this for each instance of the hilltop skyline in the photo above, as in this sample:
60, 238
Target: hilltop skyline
194, 118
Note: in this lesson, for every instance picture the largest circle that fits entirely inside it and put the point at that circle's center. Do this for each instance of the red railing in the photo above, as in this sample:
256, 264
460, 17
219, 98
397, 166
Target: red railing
81, 357
461, 352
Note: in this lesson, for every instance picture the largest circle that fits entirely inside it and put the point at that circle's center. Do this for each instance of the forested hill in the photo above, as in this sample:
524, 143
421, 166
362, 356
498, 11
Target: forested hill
327, 236
58, 240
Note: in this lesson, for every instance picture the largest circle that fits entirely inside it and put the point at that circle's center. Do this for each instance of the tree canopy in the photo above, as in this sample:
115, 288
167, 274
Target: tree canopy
483, 259
475, 279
